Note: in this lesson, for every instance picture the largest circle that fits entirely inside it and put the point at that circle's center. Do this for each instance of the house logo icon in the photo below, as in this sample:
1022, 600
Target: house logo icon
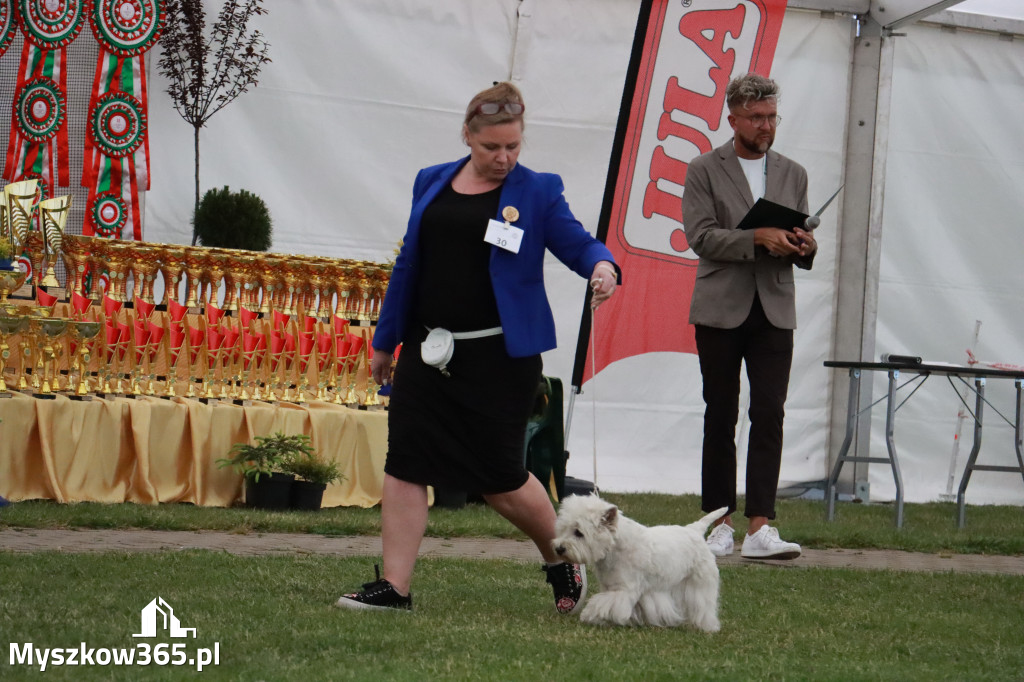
159, 612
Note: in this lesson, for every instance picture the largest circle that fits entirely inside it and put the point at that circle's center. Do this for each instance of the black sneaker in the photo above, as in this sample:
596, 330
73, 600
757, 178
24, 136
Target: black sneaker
570, 584
378, 594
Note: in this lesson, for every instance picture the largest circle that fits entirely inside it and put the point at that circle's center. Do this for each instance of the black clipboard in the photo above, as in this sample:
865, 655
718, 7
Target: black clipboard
766, 213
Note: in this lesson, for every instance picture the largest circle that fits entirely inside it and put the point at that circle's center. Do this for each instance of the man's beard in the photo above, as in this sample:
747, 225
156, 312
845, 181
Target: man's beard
754, 147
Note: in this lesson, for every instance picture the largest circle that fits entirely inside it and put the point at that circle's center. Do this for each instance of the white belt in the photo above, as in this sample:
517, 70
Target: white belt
478, 334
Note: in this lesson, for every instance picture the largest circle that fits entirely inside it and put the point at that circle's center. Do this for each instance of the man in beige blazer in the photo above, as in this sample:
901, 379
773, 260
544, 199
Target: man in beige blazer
744, 309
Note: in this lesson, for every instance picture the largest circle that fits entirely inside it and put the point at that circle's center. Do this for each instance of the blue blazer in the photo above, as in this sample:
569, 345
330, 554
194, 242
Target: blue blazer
518, 279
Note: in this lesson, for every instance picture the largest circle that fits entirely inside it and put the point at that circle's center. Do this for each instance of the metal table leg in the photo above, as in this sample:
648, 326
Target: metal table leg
851, 424
890, 444
979, 406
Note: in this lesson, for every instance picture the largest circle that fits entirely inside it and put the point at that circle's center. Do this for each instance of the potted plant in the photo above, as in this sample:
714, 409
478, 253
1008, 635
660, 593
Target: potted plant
267, 483
312, 476
6, 251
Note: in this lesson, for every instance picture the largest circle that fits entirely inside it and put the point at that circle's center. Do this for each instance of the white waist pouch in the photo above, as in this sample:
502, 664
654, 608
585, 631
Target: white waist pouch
437, 349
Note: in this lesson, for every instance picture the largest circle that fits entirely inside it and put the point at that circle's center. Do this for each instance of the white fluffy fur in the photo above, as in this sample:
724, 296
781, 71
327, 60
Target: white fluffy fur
662, 575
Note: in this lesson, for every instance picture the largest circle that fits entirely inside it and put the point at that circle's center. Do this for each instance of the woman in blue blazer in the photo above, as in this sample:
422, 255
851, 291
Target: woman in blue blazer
472, 263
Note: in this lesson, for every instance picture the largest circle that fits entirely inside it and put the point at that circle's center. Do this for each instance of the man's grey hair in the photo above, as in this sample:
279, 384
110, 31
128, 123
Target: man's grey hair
750, 88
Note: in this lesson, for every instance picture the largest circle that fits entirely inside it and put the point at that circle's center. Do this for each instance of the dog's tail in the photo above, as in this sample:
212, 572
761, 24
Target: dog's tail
704, 523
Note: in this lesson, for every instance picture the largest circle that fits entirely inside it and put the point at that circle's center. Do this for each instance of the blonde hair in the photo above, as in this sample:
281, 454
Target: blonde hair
499, 93
750, 88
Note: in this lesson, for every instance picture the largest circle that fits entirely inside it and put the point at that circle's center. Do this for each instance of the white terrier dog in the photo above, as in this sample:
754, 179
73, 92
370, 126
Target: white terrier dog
662, 576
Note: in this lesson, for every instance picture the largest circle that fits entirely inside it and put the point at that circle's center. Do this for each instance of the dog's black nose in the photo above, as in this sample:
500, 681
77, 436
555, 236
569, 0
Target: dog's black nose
560, 550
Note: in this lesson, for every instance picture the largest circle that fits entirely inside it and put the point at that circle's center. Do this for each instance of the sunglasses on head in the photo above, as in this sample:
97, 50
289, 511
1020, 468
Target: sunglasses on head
491, 108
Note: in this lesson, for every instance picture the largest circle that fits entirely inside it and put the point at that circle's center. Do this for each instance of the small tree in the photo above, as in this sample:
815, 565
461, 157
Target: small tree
205, 73
233, 220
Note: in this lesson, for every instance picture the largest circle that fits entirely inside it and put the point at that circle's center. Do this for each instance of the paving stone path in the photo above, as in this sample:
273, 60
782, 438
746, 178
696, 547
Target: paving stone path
249, 544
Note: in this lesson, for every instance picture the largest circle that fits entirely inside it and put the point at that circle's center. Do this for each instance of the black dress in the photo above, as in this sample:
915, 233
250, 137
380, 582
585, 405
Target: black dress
467, 431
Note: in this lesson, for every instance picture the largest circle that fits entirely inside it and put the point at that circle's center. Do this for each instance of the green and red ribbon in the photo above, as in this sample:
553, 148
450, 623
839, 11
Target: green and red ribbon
38, 143
117, 143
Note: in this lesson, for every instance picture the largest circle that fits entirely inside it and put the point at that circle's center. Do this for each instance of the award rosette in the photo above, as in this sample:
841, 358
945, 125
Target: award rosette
117, 148
39, 110
108, 214
7, 26
50, 24
127, 28
38, 142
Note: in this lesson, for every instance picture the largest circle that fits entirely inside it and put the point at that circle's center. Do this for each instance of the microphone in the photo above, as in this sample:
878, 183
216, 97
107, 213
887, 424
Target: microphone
811, 222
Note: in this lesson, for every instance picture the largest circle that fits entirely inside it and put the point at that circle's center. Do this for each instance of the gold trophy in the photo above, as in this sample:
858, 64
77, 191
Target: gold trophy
144, 266
10, 281
8, 327
20, 199
118, 255
35, 245
75, 252
99, 249
53, 215
195, 262
52, 329
170, 264
83, 334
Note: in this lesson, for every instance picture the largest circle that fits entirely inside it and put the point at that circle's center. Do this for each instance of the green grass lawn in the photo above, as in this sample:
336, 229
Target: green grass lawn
272, 619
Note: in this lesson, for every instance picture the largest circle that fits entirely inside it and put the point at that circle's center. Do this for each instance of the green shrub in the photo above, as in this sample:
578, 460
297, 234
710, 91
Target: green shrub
313, 470
233, 220
270, 454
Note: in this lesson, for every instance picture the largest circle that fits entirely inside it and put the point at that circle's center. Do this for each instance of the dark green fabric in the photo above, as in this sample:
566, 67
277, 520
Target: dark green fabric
545, 438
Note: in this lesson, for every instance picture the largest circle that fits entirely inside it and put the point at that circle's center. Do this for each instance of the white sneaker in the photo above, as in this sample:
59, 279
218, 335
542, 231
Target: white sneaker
720, 540
766, 544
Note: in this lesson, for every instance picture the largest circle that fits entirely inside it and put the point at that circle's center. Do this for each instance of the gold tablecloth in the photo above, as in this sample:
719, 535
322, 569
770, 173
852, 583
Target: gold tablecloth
154, 450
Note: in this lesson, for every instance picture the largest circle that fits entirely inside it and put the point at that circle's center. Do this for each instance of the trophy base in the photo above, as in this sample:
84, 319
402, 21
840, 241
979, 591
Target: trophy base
60, 292
210, 401
80, 398
6, 394
243, 403
45, 396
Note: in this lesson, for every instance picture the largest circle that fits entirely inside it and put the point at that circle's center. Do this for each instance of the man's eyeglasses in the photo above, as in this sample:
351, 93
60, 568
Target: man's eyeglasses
491, 108
758, 121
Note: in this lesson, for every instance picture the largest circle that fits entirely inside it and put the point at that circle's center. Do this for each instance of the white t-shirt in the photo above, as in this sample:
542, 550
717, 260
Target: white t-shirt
756, 171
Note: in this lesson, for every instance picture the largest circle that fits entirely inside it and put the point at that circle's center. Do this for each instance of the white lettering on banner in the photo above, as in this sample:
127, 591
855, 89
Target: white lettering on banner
699, 50
142, 655
155, 616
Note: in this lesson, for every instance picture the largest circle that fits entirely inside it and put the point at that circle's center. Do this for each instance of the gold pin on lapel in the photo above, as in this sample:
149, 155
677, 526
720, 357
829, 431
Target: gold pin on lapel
510, 214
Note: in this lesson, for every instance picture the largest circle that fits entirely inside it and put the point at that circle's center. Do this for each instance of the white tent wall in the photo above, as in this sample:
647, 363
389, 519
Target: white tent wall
363, 93
951, 250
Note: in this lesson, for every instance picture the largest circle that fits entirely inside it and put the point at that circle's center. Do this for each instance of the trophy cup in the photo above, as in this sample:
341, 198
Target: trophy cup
153, 342
305, 353
99, 249
248, 274
211, 277
118, 258
175, 333
20, 199
340, 284
8, 327
232, 264
10, 281
171, 266
75, 252
52, 328
53, 214
144, 266
83, 334
35, 245
195, 262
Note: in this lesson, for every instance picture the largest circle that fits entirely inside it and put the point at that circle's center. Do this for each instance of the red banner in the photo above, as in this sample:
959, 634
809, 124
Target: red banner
673, 109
